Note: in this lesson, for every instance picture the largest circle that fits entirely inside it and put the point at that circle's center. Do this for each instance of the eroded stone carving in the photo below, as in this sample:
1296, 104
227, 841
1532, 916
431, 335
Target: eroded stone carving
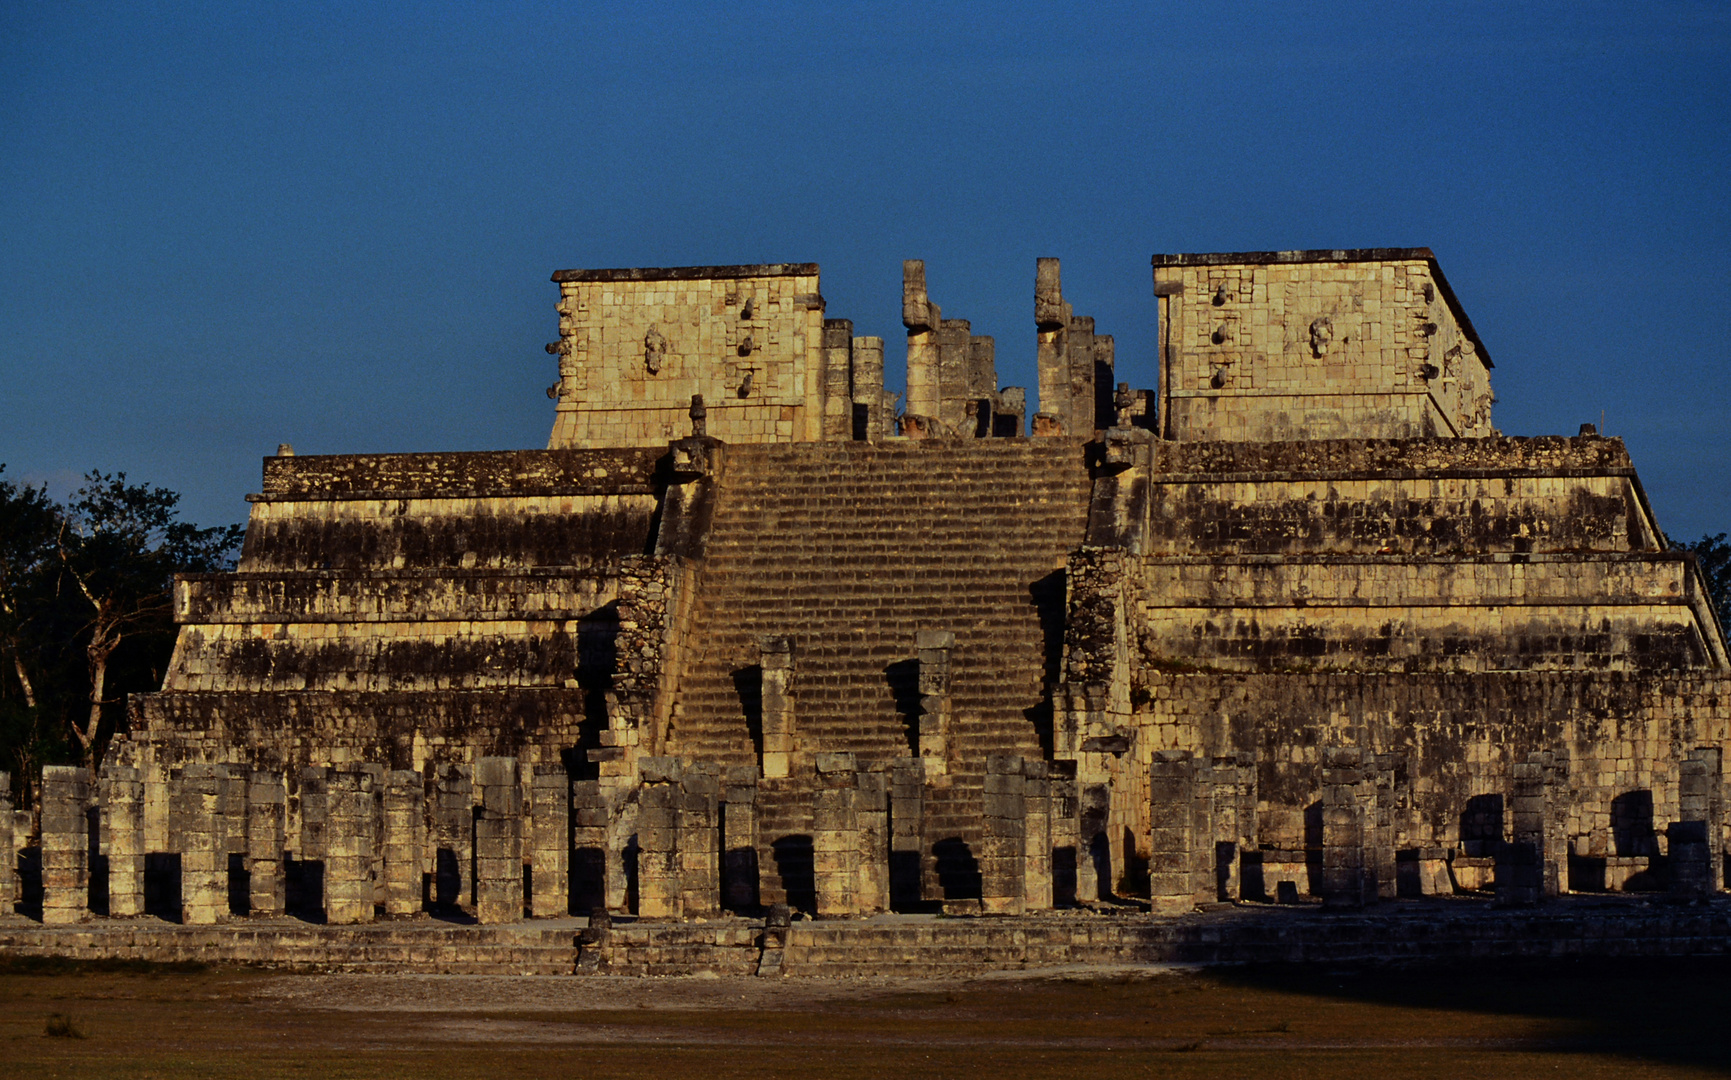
654, 350
1321, 336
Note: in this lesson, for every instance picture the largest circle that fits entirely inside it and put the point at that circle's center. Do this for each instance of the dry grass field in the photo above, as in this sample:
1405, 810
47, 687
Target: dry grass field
117, 1020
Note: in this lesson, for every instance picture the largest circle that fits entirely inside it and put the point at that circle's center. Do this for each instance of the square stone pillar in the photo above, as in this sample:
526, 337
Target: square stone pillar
65, 844
739, 872
198, 833
1695, 870
1172, 849
454, 839
1066, 833
934, 686
349, 837
868, 389
659, 895
1093, 842
405, 821
1348, 878
872, 810
1051, 320
123, 838
907, 789
266, 842
1520, 869
1037, 837
1004, 841
776, 662
232, 800
498, 842
955, 337
835, 838
8, 859
1383, 844
550, 856
922, 319
699, 841
837, 373
591, 852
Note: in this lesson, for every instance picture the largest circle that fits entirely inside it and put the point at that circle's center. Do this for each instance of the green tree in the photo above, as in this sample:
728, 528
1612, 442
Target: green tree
29, 523
119, 546
1713, 556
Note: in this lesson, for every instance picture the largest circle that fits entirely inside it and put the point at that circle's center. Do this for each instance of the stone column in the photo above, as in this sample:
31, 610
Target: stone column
123, 837
699, 842
907, 789
923, 319
1037, 836
1520, 869
955, 339
1066, 833
739, 882
1383, 845
934, 686
349, 848
65, 844
837, 371
982, 386
1172, 848
1093, 843
590, 850
8, 860
868, 389
776, 660
454, 839
1345, 873
232, 801
1051, 320
266, 842
659, 895
498, 842
197, 829
835, 835
1691, 847
872, 809
550, 858
1004, 846
405, 821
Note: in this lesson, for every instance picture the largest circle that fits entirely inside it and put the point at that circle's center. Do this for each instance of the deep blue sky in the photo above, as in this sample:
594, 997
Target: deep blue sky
224, 226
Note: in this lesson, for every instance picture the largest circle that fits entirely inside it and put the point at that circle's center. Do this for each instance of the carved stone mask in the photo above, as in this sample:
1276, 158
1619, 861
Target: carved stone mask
1321, 336
654, 350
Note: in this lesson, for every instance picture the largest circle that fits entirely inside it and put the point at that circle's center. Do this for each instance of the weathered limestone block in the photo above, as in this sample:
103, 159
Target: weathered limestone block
498, 842
550, 857
1348, 876
1004, 842
1037, 836
659, 894
199, 834
907, 787
739, 880
699, 840
454, 839
835, 835
266, 842
123, 839
934, 686
404, 809
872, 809
349, 834
65, 844
1520, 867
776, 660
8, 858
1173, 856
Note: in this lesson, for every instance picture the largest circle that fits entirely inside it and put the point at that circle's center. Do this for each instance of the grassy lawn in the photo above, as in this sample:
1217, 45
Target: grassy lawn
1631, 1020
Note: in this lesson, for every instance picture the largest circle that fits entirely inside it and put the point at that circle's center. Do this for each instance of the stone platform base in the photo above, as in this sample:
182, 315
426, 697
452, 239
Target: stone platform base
1436, 931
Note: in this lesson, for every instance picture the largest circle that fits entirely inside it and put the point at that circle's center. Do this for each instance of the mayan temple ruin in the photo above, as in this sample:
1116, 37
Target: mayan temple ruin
757, 641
